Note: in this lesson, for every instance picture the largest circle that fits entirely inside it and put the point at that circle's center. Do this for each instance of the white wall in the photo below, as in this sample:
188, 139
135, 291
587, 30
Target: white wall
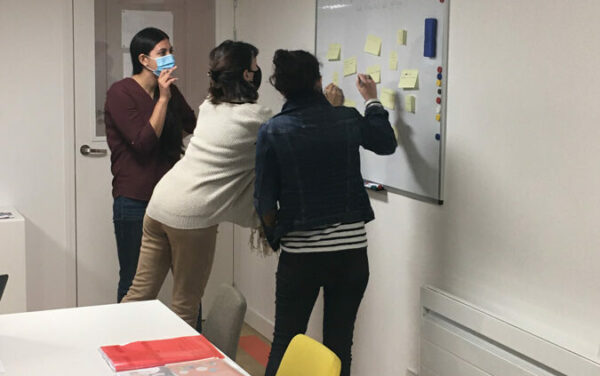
519, 229
255, 275
517, 233
35, 110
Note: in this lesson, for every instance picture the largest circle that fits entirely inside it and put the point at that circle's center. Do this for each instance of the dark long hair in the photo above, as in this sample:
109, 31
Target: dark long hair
171, 137
295, 73
227, 63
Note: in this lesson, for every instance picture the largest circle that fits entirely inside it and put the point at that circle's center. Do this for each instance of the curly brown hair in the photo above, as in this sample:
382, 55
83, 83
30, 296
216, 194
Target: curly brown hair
227, 64
295, 73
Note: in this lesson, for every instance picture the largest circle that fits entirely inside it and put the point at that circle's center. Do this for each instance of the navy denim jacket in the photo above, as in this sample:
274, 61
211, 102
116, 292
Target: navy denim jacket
308, 165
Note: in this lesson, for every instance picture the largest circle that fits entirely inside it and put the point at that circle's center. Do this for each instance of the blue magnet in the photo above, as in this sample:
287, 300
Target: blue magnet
437, 136
430, 37
439, 76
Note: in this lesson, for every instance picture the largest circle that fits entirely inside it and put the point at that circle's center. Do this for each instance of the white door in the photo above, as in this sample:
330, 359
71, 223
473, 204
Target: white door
103, 30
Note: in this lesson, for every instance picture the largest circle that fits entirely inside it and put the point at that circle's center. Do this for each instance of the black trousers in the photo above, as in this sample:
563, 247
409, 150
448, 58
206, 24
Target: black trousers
343, 275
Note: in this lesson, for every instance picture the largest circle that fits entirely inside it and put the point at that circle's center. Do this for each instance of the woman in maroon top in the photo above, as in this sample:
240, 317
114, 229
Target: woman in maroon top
146, 117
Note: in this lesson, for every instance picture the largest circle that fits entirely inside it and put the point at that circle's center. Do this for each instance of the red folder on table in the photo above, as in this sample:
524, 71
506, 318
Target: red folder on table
145, 354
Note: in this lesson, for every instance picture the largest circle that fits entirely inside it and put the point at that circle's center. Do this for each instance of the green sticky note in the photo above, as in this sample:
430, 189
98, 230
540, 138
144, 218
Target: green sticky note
350, 66
373, 45
408, 79
334, 52
375, 73
388, 98
401, 37
393, 60
336, 78
349, 103
409, 103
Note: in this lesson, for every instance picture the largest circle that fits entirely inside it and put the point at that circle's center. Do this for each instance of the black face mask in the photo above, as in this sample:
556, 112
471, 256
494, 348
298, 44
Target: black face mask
257, 77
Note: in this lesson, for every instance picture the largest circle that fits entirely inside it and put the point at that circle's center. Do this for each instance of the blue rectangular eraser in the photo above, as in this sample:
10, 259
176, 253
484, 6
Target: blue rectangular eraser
430, 37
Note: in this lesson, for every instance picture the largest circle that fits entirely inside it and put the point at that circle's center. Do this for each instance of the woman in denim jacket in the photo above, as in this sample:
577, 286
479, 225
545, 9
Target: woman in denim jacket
310, 196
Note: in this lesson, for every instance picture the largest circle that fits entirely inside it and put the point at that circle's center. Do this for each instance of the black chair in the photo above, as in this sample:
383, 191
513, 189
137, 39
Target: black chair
3, 280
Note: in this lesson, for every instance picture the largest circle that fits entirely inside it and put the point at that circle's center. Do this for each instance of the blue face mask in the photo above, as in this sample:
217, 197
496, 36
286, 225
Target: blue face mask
163, 62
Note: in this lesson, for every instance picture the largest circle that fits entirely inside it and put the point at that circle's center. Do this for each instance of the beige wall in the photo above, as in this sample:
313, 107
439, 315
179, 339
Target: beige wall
35, 112
517, 233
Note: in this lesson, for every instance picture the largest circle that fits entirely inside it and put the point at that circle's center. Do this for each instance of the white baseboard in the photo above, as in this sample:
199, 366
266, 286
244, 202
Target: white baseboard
260, 323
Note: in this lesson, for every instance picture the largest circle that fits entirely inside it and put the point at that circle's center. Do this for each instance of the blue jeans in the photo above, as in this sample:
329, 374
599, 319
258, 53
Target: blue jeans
128, 218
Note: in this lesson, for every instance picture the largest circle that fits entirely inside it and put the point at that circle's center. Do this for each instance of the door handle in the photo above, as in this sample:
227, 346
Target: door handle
87, 150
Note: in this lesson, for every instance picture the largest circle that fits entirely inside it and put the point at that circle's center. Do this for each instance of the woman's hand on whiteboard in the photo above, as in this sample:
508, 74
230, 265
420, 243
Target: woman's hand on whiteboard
334, 95
366, 86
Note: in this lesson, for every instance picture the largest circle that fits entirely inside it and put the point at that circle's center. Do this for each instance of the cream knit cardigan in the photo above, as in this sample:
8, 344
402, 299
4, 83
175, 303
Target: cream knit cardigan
214, 180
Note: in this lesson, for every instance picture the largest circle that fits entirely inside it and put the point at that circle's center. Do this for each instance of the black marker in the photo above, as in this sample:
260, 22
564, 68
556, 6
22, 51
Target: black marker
361, 82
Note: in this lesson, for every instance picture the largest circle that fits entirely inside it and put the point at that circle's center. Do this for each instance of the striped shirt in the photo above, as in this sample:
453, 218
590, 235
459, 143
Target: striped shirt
335, 237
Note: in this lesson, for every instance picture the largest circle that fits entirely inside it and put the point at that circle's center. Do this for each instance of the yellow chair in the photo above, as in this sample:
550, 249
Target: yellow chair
307, 357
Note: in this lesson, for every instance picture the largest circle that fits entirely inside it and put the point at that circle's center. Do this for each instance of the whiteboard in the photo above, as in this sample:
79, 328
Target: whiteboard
416, 168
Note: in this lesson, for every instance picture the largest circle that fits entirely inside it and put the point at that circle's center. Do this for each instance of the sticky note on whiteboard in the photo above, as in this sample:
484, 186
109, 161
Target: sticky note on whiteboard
349, 103
409, 103
408, 79
373, 45
336, 78
350, 66
388, 98
334, 52
401, 37
375, 73
393, 63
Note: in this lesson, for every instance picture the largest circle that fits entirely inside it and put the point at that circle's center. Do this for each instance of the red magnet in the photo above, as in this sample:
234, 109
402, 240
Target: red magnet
439, 69
438, 100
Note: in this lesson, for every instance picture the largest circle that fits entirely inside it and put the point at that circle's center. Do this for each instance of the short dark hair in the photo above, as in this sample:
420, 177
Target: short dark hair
142, 43
227, 63
295, 72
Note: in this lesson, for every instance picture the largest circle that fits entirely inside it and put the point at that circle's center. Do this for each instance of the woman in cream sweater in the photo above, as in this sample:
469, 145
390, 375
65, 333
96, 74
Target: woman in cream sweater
212, 183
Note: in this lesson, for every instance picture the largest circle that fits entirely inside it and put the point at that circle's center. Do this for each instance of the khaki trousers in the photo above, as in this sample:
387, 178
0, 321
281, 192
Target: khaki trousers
188, 253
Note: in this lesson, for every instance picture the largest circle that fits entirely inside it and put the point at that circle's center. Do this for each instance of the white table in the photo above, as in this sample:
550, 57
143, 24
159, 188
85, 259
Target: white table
66, 341
12, 262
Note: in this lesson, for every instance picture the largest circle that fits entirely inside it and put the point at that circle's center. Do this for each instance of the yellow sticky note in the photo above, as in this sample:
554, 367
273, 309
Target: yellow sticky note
350, 66
373, 45
336, 78
409, 103
408, 79
334, 51
388, 98
401, 37
349, 103
394, 60
375, 73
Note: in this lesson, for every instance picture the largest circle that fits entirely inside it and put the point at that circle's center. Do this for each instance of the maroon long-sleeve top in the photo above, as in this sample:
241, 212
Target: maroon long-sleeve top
136, 163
